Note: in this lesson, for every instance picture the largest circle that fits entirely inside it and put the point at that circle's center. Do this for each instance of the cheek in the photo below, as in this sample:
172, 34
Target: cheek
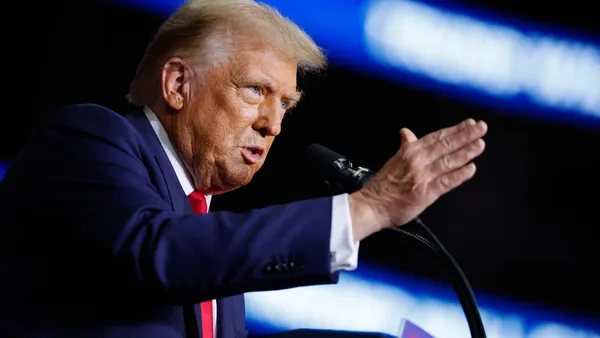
240, 108
249, 112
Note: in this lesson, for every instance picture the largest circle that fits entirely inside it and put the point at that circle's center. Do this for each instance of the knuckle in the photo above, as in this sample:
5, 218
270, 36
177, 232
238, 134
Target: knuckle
447, 142
446, 162
435, 136
468, 171
446, 181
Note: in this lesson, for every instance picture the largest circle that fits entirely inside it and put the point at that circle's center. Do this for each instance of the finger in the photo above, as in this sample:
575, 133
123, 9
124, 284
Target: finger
458, 159
434, 137
407, 136
456, 141
448, 181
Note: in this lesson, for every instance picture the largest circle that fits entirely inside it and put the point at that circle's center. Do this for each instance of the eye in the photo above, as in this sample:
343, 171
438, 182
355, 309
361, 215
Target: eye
284, 105
256, 90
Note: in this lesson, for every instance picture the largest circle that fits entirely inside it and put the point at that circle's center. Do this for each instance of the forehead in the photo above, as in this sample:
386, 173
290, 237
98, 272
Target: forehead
267, 67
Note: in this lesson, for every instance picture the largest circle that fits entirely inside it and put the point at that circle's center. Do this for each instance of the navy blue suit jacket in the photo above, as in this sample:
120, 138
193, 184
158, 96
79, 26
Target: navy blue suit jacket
97, 238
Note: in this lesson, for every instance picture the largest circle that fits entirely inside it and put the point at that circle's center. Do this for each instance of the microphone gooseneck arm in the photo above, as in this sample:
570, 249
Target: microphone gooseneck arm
342, 177
459, 281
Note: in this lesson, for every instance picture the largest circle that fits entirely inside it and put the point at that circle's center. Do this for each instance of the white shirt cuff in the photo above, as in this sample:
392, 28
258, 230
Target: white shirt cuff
343, 248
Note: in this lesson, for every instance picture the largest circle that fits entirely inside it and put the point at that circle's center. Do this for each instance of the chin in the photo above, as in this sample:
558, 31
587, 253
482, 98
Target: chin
233, 180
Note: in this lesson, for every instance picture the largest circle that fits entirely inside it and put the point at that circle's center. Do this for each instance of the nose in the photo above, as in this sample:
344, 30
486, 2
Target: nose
269, 121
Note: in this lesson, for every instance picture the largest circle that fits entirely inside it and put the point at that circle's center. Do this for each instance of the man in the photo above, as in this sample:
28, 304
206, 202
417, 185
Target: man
104, 232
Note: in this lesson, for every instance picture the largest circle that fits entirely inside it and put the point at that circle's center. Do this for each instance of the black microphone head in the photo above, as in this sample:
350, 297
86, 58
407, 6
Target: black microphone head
316, 153
324, 159
332, 167
335, 169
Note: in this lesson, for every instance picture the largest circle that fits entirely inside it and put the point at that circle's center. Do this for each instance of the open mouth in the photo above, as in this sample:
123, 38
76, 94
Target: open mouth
252, 155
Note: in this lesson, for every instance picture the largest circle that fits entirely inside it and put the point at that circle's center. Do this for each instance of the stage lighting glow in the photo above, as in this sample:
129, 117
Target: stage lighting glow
3, 168
496, 60
373, 300
512, 66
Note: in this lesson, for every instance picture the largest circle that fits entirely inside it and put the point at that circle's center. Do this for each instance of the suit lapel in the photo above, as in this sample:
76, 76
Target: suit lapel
179, 201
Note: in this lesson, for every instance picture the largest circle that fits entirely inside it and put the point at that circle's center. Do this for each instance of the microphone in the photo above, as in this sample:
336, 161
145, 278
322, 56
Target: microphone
339, 173
342, 177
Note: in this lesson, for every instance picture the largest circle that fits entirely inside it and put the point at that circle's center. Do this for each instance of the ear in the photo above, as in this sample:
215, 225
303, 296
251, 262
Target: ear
175, 82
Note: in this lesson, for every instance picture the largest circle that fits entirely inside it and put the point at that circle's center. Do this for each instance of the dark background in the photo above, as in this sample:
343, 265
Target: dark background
525, 227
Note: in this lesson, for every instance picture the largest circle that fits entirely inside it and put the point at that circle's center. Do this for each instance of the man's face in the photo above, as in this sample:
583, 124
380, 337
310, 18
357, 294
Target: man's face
231, 117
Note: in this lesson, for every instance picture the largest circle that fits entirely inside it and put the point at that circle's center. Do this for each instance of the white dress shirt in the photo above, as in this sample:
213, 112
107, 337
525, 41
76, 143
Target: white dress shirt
343, 248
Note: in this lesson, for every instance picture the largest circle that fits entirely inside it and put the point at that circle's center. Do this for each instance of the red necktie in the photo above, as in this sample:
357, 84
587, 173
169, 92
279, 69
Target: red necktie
199, 205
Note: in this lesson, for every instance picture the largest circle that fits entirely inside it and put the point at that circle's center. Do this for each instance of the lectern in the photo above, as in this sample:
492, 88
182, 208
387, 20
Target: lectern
309, 333
408, 329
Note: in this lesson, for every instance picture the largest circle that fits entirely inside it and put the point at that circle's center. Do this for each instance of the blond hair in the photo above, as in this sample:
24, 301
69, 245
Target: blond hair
203, 33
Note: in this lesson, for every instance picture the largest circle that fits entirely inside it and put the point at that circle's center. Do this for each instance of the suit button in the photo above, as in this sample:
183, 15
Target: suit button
291, 265
268, 269
277, 268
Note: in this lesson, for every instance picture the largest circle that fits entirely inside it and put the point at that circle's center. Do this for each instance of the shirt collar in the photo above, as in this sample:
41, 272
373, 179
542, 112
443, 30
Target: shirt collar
184, 177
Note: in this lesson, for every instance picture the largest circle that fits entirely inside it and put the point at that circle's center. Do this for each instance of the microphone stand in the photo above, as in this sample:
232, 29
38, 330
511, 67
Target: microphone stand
461, 285
349, 179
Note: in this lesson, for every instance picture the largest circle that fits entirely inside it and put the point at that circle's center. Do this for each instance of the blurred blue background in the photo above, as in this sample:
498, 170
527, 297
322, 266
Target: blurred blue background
373, 299
3, 167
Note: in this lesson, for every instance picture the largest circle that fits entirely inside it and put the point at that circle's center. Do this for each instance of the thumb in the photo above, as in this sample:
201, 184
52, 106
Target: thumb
407, 136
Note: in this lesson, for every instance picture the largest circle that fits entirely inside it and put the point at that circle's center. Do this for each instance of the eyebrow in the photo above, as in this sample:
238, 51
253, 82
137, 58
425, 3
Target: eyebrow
291, 99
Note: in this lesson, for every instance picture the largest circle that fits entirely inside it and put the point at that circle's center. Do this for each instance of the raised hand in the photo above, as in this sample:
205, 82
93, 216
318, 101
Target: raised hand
416, 176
